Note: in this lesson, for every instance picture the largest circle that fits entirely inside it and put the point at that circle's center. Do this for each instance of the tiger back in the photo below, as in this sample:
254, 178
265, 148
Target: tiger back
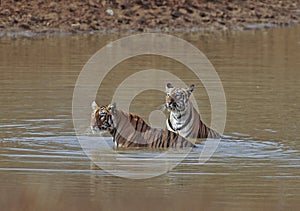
130, 131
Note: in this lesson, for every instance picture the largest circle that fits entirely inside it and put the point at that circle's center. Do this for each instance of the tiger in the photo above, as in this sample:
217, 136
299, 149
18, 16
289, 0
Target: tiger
131, 131
183, 118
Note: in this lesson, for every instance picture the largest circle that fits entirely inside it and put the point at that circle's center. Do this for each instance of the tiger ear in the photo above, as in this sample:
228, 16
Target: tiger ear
112, 107
94, 106
190, 90
169, 86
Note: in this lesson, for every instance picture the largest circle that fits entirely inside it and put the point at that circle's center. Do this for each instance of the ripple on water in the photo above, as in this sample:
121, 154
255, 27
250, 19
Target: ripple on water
59, 153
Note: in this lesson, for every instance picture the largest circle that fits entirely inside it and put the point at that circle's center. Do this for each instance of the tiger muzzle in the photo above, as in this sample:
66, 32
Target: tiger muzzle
171, 104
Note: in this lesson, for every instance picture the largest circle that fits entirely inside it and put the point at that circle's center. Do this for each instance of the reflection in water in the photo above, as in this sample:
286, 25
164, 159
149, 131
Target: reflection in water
42, 164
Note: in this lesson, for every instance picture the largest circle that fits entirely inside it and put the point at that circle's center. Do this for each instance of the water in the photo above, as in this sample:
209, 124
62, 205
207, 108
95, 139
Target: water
42, 165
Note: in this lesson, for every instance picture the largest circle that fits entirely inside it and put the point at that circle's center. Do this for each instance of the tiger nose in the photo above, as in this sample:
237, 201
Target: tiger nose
171, 102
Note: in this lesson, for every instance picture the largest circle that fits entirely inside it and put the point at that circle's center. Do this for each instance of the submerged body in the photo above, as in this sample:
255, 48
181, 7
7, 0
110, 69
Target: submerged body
129, 130
184, 119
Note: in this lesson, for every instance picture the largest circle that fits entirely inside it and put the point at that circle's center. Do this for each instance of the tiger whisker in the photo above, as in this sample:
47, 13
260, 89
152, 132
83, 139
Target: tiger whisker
163, 107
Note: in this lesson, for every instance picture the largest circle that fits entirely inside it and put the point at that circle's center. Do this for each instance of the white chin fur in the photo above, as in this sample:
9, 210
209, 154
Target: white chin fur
95, 130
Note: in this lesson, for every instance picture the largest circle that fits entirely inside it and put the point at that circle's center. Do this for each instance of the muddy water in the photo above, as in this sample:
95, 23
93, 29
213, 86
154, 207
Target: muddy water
43, 167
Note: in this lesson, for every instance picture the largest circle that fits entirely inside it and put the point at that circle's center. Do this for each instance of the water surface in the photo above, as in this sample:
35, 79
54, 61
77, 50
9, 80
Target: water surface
43, 167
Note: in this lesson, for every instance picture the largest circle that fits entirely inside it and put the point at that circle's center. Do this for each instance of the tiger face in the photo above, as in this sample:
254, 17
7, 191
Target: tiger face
177, 98
101, 118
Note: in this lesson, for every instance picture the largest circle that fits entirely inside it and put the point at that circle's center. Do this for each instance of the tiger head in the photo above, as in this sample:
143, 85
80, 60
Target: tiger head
101, 118
177, 98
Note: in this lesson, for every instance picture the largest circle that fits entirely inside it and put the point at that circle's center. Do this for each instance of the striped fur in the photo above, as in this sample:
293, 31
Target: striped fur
184, 119
129, 130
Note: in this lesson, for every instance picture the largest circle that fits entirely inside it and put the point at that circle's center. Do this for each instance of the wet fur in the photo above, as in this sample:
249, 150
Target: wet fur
184, 119
129, 130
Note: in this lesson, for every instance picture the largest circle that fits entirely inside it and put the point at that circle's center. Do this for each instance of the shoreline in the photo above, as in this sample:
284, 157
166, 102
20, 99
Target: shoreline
38, 18
31, 34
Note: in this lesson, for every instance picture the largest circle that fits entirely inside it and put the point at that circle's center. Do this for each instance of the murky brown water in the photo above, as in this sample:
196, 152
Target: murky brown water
43, 167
